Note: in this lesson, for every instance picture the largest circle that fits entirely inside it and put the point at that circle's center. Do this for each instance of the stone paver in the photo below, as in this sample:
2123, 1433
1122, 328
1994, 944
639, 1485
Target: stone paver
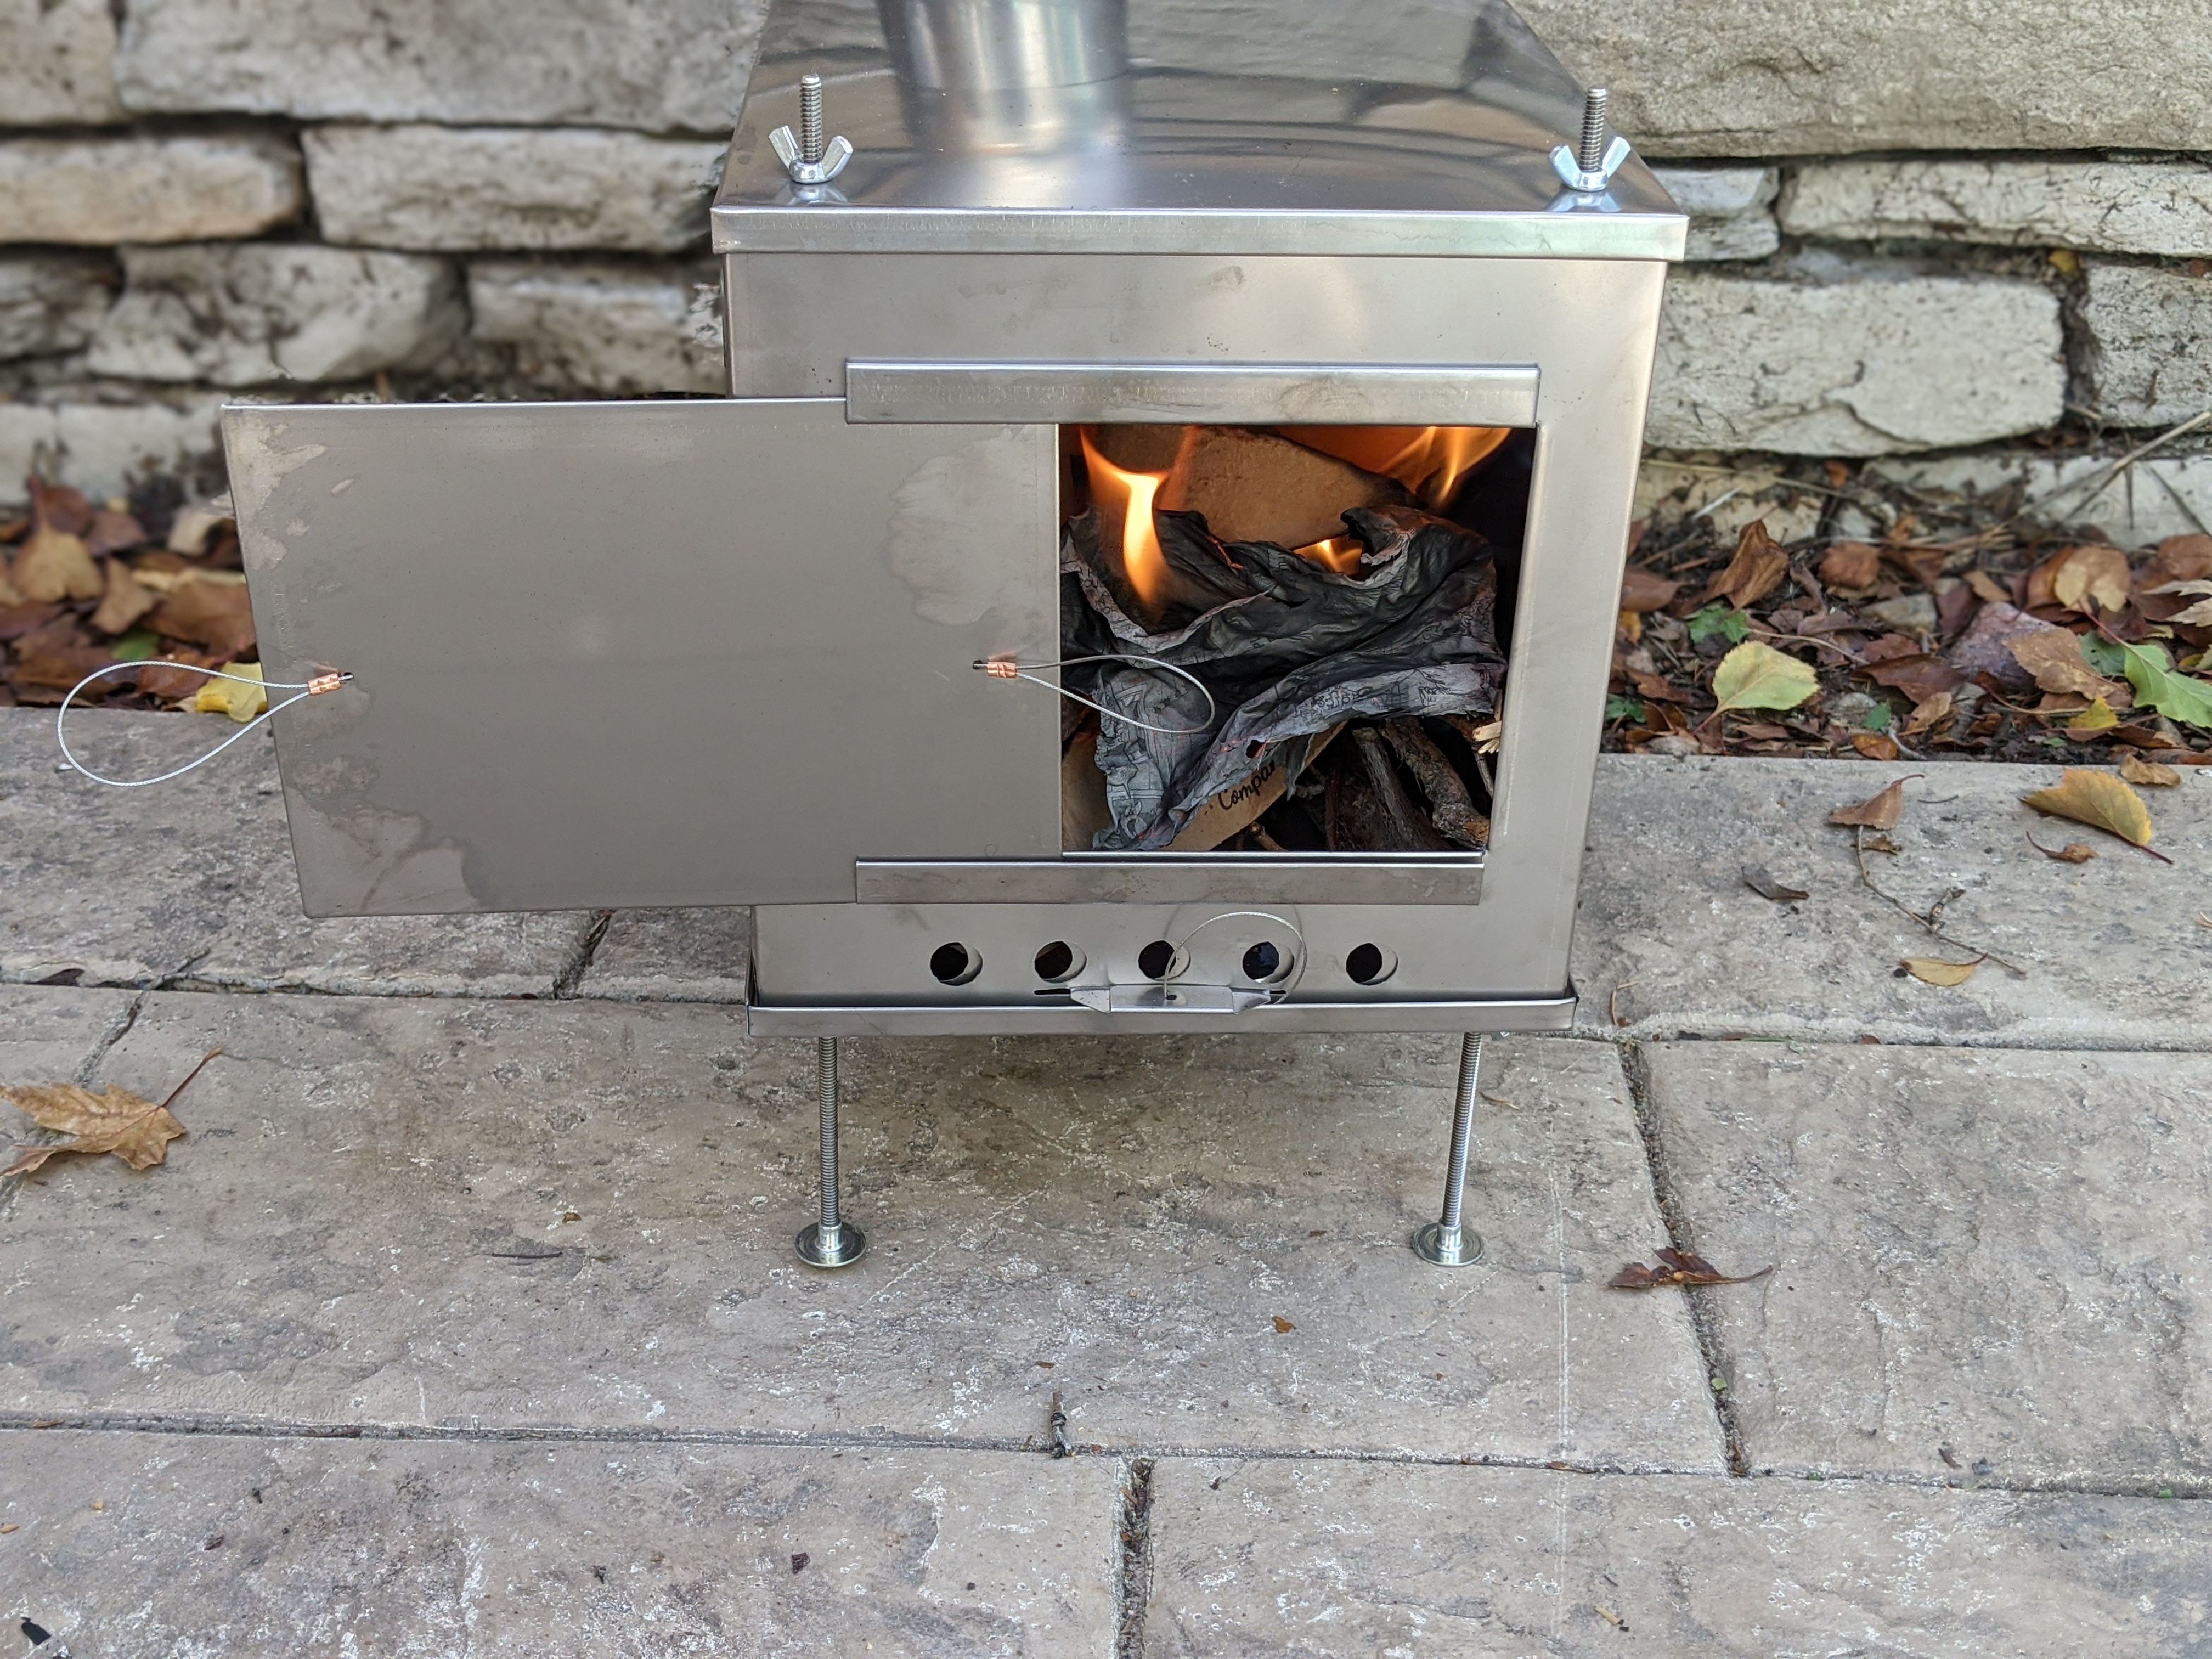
99, 192
2113, 952
194, 878
1987, 1264
244, 1545
620, 326
672, 956
1290, 1557
1200, 1243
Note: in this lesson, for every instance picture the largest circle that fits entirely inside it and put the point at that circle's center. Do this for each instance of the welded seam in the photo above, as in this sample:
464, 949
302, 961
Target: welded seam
1704, 1316
1133, 1587
580, 960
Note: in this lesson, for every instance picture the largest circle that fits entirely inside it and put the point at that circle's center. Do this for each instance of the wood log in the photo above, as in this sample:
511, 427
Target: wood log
1451, 808
1410, 832
1139, 446
1255, 487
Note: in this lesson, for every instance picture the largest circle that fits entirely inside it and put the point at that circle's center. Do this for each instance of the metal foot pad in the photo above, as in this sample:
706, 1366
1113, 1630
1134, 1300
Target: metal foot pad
849, 1245
1447, 1247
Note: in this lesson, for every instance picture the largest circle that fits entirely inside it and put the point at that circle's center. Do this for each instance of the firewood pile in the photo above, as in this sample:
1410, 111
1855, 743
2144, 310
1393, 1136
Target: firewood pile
1335, 623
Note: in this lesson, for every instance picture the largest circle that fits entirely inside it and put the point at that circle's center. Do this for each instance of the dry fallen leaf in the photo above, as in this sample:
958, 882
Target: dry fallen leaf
1987, 588
1756, 570
2102, 801
125, 602
1851, 564
1283, 1325
1933, 970
2135, 769
136, 1131
1925, 714
216, 614
1881, 812
1676, 1268
1876, 746
2055, 659
1761, 882
54, 565
169, 681
2093, 573
2074, 852
1644, 590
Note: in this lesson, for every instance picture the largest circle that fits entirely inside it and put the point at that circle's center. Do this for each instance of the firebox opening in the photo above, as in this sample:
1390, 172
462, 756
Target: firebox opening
1297, 635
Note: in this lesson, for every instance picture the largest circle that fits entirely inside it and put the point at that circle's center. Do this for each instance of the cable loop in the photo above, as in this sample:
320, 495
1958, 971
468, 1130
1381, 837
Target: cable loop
328, 681
1007, 668
1276, 994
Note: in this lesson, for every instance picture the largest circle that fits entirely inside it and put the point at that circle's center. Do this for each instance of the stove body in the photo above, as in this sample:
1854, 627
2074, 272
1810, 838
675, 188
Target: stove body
719, 652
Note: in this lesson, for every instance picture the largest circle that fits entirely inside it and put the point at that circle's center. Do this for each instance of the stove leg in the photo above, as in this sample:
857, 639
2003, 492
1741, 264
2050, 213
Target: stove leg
831, 1241
1444, 1242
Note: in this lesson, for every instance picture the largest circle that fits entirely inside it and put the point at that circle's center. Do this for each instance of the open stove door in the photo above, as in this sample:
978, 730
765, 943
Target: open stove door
647, 653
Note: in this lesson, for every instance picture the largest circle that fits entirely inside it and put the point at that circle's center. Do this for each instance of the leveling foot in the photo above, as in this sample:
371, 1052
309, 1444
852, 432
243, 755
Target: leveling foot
832, 1242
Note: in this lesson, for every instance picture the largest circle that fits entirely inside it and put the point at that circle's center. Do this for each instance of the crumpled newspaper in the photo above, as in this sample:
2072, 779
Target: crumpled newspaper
1287, 647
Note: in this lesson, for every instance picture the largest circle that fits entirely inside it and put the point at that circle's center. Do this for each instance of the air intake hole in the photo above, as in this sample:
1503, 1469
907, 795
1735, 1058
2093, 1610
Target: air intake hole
1154, 960
955, 963
1263, 961
1058, 963
1370, 964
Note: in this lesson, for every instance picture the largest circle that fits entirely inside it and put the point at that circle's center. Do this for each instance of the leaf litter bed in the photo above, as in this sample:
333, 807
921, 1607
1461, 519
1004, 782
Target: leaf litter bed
1815, 611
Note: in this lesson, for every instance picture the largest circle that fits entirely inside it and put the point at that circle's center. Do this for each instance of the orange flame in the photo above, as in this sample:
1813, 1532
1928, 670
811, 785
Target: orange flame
1429, 460
1129, 495
1341, 554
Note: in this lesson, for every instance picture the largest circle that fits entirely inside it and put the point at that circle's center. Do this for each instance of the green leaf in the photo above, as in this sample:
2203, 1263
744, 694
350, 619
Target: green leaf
1618, 707
1879, 718
1755, 675
137, 646
2177, 697
1718, 621
2103, 655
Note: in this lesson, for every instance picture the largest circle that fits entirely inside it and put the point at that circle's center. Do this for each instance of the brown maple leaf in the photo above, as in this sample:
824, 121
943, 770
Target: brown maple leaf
135, 1130
1676, 1268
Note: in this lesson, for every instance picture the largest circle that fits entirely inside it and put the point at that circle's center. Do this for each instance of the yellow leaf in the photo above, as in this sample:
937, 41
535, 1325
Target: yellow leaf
2054, 657
2099, 800
1756, 676
241, 702
2097, 717
1934, 971
135, 1130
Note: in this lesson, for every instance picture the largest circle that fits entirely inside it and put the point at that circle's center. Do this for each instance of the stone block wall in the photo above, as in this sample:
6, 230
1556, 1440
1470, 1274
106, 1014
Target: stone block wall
1919, 225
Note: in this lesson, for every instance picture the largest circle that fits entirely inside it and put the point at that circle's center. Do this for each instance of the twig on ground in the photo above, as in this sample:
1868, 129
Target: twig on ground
1933, 921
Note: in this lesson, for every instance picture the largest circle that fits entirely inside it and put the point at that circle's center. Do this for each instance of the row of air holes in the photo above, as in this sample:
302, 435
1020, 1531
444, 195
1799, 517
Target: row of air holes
1059, 962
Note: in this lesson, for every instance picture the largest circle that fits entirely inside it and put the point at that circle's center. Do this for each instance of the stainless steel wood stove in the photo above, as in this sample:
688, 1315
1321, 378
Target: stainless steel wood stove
992, 271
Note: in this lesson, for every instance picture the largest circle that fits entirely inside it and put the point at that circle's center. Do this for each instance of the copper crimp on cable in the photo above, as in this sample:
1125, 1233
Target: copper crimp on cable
329, 680
1001, 668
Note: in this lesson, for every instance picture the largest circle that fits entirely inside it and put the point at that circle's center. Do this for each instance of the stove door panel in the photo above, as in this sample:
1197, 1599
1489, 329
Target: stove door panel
648, 654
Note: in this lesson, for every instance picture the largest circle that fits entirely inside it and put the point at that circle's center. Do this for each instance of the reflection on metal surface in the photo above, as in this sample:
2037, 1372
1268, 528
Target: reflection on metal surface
1410, 126
1252, 394
644, 654
1448, 878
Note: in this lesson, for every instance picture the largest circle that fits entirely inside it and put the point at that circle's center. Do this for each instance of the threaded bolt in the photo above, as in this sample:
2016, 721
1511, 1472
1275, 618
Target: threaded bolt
825, 1088
810, 118
1590, 156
